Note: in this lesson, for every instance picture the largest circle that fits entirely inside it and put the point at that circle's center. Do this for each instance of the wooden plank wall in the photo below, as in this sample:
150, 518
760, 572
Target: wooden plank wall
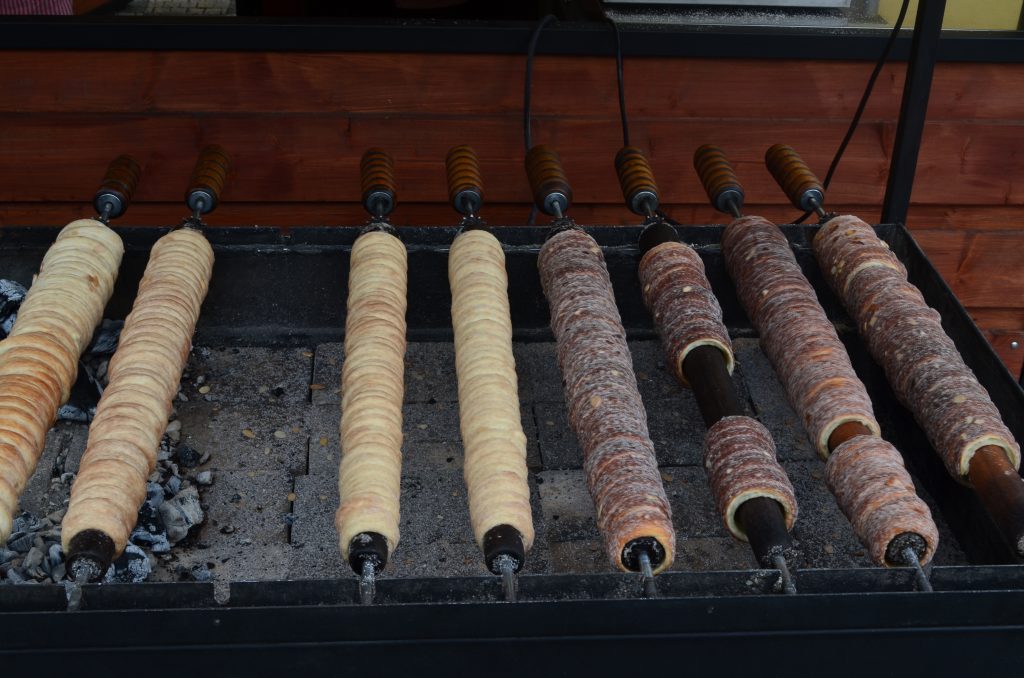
296, 124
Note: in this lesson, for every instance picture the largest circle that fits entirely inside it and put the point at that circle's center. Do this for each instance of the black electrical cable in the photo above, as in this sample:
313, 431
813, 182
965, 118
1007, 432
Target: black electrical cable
863, 101
527, 95
620, 79
528, 85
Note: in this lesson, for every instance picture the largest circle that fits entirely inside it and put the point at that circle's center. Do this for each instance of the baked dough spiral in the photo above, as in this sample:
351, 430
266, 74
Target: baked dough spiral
143, 379
492, 433
39, 359
605, 409
905, 336
372, 386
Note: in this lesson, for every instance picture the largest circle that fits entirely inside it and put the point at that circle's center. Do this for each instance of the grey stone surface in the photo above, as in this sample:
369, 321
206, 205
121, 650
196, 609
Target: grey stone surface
45, 492
537, 368
709, 554
270, 514
314, 552
769, 402
246, 436
693, 509
195, 8
653, 378
421, 423
676, 429
326, 386
824, 536
559, 448
248, 376
566, 506
246, 530
430, 373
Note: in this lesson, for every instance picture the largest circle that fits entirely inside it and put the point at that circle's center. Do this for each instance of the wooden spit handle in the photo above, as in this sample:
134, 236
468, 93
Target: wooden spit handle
465, 183
377, 175
636, 178
719, 179
548, 182
118, 187
208, 179
794, 177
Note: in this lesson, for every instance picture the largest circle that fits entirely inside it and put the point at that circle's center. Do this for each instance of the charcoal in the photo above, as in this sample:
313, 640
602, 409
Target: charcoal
59, 572
55, 555
104, 340
25, 522
173, 431
70, 411
188, 456
155, 542
132, 567
173, 486
11, 295
33, 558
20, 542
201, 573
181, 513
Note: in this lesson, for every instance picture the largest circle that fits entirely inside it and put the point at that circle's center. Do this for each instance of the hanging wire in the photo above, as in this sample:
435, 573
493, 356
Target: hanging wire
621, 82
893, 34
528, 95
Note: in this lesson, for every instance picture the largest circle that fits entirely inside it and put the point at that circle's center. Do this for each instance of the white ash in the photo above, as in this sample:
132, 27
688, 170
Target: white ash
181, 513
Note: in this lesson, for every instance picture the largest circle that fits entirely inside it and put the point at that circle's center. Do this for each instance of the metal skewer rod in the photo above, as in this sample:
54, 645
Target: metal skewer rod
920, 576
83, 571
367, 582
734, 209
506, 565
647, 575
779, 561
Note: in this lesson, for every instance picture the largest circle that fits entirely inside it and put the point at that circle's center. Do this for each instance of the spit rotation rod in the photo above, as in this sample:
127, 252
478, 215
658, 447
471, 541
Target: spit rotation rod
726, 195
647, 548
995, 480
762, 518
496, 475
367, 520
91, 550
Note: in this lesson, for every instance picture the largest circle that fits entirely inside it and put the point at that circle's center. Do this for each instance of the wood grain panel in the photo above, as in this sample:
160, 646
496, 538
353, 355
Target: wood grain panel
983, 269
1011, 319
482, 85
990, 272
966, 217
1010, 348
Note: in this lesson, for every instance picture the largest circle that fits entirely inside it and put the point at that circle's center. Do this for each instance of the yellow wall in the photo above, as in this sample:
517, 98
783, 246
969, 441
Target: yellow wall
963, 14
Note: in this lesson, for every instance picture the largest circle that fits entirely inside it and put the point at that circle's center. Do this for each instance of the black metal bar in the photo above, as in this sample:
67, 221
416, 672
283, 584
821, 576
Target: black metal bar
924, 52
493, 37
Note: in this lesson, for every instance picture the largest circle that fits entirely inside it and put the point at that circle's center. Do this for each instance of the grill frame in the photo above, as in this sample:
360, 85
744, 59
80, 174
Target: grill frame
277, 287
